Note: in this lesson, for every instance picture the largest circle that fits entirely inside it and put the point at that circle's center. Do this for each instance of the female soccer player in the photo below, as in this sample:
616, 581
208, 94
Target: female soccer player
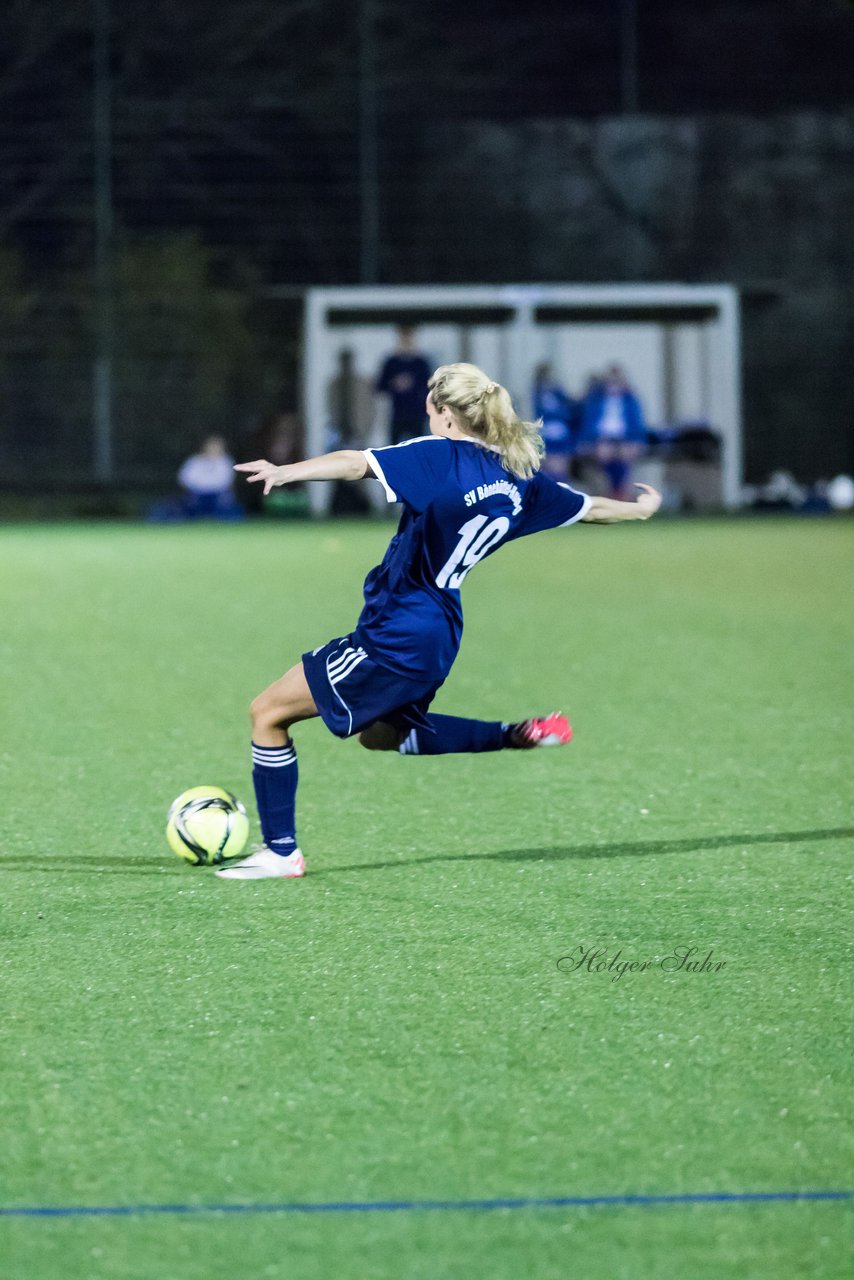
467, 489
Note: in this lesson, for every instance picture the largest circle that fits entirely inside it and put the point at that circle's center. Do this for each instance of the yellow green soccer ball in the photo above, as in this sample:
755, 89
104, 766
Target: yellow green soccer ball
207, 825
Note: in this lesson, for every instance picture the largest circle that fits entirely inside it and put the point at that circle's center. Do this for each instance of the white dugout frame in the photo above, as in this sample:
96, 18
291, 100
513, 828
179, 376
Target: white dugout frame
690, 331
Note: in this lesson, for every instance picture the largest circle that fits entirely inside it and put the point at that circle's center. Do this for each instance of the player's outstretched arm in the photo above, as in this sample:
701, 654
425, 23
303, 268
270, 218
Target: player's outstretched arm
344, 464
611, 511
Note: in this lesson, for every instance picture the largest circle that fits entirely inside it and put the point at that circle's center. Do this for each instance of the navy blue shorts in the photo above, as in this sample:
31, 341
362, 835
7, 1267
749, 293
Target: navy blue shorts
351, 691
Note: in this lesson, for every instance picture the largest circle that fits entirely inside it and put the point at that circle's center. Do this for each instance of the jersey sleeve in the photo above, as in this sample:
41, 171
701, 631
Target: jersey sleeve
412, 472
550, 504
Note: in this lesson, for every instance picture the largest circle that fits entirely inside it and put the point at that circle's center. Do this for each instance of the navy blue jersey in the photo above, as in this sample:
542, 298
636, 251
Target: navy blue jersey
404, 376
459, 505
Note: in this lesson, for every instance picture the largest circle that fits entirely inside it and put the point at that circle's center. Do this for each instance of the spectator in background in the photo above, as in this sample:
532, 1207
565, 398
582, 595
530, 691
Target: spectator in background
284, 435
349, 422
556, 408
612, 428
207, 479
278, 436
349, 405
403, 378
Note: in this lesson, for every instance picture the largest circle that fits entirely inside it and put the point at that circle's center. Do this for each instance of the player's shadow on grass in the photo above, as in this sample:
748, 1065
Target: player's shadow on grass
84, 864
141, 865
622, 849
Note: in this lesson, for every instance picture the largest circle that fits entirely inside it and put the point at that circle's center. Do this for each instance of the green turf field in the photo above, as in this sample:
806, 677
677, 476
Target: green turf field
396, 1027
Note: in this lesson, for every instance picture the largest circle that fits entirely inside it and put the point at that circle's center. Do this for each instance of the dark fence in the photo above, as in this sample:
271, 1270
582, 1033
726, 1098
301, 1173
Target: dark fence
215, 151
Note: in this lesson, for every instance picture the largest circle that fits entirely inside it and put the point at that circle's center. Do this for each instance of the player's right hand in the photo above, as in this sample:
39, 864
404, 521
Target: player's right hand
266, 471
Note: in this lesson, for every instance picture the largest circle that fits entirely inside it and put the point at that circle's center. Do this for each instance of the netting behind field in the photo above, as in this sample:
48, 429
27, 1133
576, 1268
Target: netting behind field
327, 143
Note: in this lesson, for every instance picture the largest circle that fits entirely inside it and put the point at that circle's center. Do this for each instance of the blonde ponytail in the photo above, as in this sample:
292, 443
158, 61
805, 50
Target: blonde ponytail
483, 409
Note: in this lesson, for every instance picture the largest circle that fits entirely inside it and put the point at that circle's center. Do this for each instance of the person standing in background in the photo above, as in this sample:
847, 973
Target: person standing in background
350, 416
278, 436
612, 428
349, 405
555, 408
403, 378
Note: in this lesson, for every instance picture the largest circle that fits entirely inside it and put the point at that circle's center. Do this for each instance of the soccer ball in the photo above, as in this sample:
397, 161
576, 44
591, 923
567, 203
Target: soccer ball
206, 825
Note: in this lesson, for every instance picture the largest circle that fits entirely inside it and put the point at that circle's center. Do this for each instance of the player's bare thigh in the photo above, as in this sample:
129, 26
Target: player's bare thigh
381, 736
283, 703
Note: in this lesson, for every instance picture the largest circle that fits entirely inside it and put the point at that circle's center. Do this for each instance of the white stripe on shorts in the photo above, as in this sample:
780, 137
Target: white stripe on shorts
333, 663
340, 670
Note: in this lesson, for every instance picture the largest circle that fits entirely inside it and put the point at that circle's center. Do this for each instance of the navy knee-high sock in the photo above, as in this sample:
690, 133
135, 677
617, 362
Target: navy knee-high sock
275, 775
453, 733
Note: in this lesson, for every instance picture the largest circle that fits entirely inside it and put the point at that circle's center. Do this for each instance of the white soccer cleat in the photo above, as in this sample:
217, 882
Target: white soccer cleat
264, 864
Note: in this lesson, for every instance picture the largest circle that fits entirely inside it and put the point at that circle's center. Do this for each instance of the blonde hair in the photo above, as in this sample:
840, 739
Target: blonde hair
483, 409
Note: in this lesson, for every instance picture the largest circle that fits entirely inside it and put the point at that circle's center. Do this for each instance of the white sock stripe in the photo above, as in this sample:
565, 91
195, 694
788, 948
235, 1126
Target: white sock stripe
343, 672
274, 762
409, 746
273, 751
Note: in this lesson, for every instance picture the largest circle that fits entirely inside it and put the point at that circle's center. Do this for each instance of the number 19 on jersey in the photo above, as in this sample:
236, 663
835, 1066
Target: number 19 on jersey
477, 536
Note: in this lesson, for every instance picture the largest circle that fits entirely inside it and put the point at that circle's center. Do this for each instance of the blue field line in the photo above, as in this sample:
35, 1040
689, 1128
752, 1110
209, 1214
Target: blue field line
403, 1206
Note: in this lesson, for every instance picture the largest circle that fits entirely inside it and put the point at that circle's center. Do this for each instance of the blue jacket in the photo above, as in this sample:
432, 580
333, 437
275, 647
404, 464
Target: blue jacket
594, 411
557, 410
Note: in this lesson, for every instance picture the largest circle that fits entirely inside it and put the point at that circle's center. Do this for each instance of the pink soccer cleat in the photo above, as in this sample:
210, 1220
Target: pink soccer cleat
546, 731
